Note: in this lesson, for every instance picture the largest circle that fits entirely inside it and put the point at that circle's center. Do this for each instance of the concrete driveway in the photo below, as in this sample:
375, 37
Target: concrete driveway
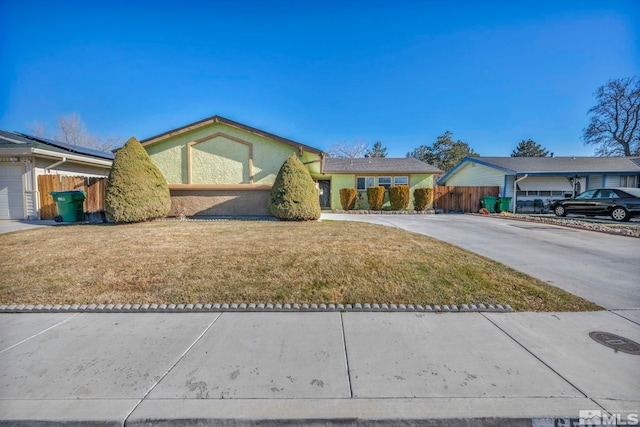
9, 226
599, 267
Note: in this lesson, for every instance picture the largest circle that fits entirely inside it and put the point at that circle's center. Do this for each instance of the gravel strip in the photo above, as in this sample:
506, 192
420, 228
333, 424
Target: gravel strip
631, 229
217, 308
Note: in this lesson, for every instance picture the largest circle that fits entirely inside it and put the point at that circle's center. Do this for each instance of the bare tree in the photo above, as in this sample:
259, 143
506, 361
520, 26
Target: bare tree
39, 129
71, 130
351, 150
614, 123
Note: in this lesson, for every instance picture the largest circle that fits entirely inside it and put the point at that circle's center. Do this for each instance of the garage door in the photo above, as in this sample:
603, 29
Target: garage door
11, 200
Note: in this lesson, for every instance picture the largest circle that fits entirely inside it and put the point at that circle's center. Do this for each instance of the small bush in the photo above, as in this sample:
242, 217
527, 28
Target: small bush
375, 197
399, 197
294, 196
422, 198
348, 198
136, 189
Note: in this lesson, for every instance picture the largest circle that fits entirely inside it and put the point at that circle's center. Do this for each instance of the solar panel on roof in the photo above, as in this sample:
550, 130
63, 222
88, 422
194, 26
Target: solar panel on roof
71, 148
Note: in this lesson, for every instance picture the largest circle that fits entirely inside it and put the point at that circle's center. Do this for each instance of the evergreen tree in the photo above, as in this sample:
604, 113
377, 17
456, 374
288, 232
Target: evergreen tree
136, 189
377, 151
530, 148
294, 196
445, 153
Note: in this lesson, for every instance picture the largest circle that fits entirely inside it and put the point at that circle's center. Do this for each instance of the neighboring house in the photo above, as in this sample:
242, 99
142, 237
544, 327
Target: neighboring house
385, 172
544, 179
23, 158
220, 167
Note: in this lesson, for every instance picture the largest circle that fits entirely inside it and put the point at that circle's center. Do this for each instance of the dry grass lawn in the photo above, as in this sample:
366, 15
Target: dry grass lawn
257, 262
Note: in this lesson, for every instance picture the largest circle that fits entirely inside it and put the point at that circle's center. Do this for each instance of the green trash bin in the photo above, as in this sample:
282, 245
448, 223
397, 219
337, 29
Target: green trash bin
489, 203
503, 204
69, 204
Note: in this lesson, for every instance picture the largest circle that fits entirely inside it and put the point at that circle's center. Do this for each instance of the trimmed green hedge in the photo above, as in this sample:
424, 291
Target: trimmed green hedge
399, 197
422, 198
348, 198
136, 189
375, 197
294, 196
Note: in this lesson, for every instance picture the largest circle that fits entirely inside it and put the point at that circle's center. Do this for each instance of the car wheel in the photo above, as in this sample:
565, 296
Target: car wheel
620, 214
560, 211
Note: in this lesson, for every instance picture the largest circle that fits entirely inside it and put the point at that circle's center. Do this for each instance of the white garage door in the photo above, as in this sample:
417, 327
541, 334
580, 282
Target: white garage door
11, 200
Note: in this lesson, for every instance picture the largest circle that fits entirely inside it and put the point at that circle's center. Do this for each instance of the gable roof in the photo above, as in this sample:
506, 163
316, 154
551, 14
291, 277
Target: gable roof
562, 164
553, 165
219, 119
378, 165
16, 140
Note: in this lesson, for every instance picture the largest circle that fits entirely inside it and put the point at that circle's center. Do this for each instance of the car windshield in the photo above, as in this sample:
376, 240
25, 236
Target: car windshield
586, 195
635, 192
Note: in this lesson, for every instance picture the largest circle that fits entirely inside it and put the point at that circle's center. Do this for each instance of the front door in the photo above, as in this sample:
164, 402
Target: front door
325, 194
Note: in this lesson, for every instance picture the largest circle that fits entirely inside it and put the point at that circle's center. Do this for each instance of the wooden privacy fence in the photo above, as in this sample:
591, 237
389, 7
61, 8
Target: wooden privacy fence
93, 187
460, 199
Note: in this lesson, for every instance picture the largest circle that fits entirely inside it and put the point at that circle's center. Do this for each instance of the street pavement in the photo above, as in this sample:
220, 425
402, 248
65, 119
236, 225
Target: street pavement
343, 368
330, 368
600, 267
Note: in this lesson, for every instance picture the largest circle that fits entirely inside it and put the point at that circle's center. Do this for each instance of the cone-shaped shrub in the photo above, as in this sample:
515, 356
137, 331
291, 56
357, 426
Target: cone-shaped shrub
421, 198
399, 197
348, 198
294, 196
375, 197
136, 190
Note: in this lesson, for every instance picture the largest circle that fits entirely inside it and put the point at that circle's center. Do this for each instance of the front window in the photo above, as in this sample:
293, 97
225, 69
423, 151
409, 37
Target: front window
586, 195
628, 181
401, 180
384, 181
363, 182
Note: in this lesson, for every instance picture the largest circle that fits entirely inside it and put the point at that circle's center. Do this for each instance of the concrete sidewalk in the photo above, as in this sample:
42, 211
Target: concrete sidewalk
314, 368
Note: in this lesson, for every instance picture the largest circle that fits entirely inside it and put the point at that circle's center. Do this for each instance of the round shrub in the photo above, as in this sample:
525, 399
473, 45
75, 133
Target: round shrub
422, 198
399, 197
348, 198
375, 197
136, 189
294, 196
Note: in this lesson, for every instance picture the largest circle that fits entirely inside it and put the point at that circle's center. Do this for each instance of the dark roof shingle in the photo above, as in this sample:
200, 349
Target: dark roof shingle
563, 164
378, 165
15, 139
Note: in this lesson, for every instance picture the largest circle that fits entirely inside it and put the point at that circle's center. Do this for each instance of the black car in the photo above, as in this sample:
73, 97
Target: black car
619, 203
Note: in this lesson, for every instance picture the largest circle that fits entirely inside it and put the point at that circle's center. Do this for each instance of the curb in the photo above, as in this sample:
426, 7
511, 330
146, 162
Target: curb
217, 308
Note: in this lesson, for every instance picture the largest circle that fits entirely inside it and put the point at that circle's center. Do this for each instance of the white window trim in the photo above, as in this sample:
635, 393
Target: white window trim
369, 181
401, 176
384, 185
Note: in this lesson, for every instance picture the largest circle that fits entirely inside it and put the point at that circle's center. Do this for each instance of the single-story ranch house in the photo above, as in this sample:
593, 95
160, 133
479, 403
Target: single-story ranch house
529, 179
23, 158
220, 167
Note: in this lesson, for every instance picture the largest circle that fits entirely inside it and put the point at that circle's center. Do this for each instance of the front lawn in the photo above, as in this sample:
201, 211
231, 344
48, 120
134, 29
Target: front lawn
258, 262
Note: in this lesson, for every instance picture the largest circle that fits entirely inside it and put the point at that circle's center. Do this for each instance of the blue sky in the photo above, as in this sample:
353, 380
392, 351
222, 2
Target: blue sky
320, 72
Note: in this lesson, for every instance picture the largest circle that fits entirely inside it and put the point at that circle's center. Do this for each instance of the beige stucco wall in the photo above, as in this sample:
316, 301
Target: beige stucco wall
221, 159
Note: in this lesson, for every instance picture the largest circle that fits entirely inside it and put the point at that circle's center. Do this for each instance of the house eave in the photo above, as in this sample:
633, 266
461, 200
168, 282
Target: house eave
30, 151
380, 172
219, 187
218, 119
